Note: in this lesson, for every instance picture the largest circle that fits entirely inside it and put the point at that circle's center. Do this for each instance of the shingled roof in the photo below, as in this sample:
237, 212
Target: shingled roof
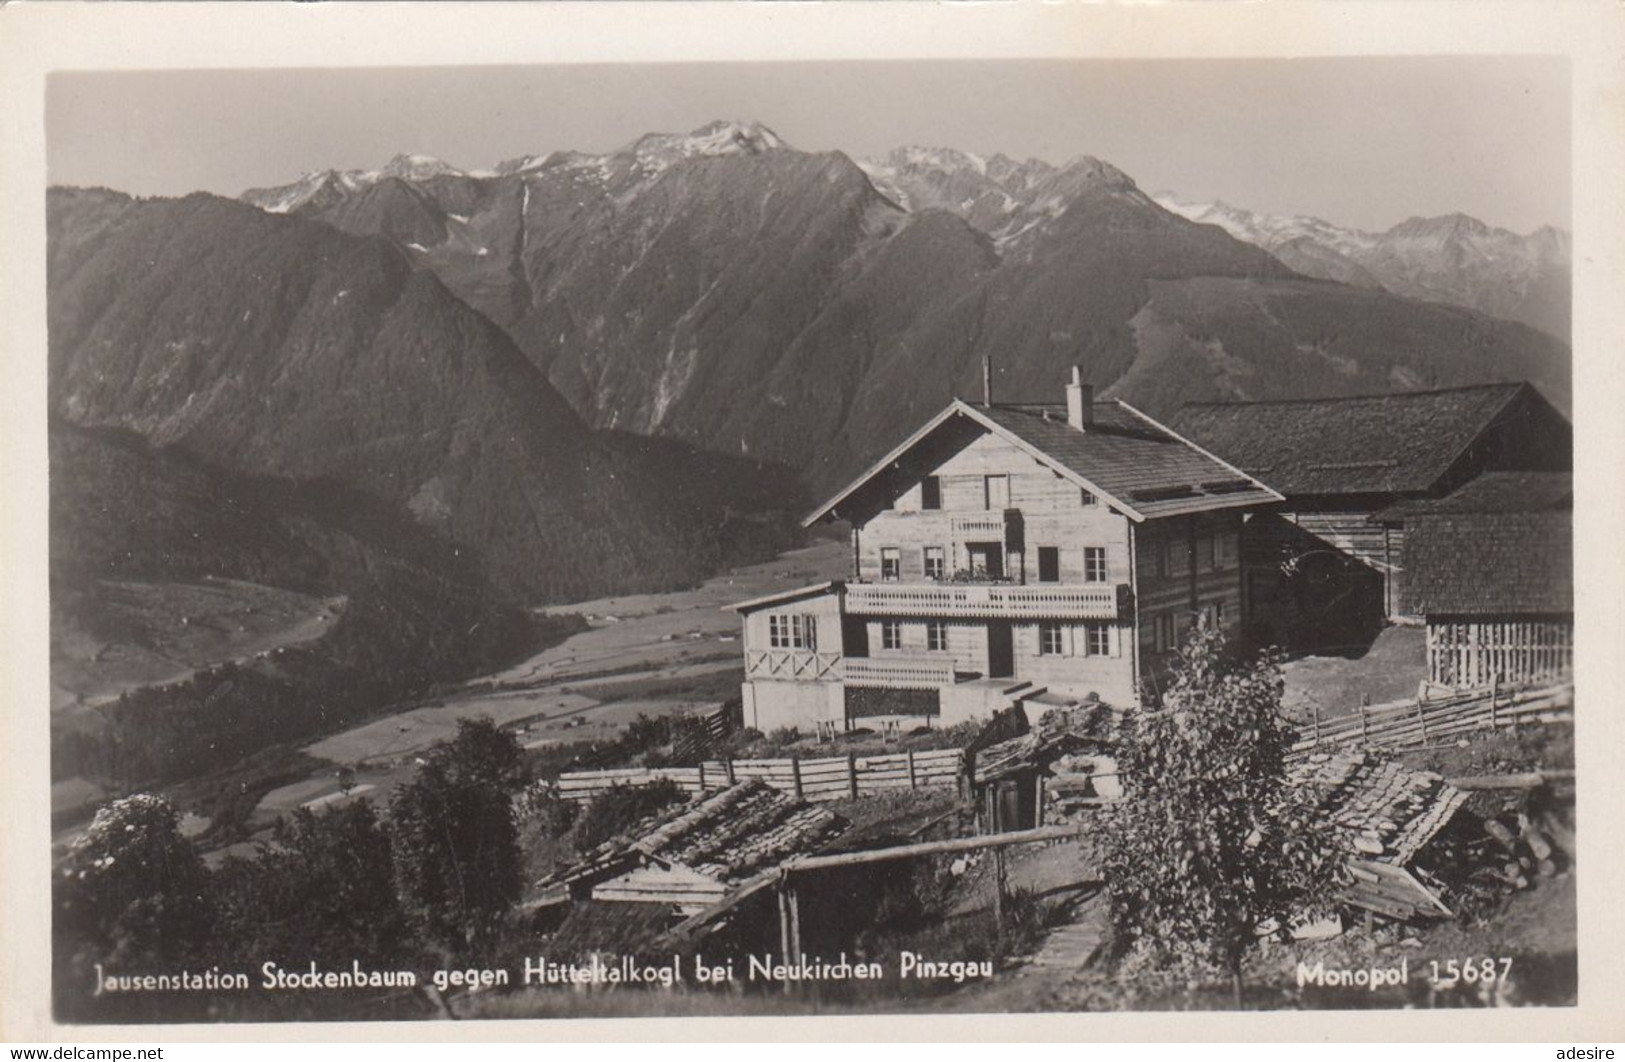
1391, 443
726, 836
1489, 563
1385, 810
1491, 492
1133, 462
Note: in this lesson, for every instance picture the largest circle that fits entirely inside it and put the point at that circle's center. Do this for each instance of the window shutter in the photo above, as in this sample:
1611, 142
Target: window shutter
1115, 639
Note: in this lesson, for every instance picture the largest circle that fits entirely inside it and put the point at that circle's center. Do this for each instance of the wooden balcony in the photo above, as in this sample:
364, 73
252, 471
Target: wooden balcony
981, 525
900, 672
792, 665
888, 672
984, 600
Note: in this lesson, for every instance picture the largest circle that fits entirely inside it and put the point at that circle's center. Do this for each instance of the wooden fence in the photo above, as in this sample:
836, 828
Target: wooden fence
1398, 724
825, 778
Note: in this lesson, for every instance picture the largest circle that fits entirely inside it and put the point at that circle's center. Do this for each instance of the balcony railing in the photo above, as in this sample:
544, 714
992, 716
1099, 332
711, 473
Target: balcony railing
983, 601
899, 672
795, 665
890, 672
980, 524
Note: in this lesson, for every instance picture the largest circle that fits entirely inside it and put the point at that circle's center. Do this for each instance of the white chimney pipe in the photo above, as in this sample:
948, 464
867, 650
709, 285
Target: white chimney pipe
1080, 401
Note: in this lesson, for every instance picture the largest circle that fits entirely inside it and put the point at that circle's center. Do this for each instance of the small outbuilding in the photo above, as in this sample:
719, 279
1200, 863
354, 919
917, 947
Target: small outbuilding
1049, 774
1491, 571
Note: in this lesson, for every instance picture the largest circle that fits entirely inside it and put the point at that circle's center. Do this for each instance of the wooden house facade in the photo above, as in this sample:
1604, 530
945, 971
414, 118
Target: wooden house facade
1000, 552
1320, 570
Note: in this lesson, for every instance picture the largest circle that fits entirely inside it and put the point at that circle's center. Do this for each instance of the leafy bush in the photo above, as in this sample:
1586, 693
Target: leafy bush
455, 842
1212, 843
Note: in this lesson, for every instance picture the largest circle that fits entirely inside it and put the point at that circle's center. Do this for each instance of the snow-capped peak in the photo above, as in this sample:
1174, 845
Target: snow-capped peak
658, 150
727, 137
409, 167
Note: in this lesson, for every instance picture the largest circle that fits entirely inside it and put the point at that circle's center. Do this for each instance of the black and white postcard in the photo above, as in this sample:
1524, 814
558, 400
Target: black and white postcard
889, 513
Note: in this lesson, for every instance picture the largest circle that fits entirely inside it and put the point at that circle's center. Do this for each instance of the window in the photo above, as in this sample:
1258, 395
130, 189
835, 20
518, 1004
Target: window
1219, 541
891, 564
1094, 564
786, 631
1051, 641
1049, 564
933, 562
986, 559
1167, 632
936, 636
1164, 563
891, 634
996, 492
1086, 497
930, 493
1097, 639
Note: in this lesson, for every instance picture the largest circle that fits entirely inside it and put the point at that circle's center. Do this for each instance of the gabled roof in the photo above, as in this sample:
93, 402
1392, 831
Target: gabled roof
1387, 443
1490, 492
1130, 461
1489, 563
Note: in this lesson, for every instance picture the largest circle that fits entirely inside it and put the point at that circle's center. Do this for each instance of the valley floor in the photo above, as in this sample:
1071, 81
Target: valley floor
647, 654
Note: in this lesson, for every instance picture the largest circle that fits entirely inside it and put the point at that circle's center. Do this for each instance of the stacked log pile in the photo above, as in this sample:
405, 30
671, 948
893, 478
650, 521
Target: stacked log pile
1079, 783
1524, 832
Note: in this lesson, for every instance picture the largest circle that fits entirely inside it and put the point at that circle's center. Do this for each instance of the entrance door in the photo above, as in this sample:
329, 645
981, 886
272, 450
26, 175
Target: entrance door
1001, 649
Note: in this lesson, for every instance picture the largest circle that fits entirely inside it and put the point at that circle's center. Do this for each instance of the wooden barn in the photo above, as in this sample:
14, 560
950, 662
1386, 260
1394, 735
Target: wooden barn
1490, 567
1319, 571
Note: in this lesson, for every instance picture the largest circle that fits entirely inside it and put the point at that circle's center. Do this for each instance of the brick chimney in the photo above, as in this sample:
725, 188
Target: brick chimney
1080, 402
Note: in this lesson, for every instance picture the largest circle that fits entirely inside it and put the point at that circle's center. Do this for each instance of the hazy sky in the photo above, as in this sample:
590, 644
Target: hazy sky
1363, 142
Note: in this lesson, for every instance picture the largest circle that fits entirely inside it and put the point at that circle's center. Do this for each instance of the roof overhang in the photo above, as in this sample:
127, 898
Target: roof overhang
959, 407
784, 597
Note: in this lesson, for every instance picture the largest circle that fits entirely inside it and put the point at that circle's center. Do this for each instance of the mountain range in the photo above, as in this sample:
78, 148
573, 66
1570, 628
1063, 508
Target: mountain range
730, 290
282, 346
1454, 259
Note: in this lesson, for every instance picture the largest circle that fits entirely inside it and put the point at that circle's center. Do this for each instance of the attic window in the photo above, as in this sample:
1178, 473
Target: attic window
1087, 498
930, 493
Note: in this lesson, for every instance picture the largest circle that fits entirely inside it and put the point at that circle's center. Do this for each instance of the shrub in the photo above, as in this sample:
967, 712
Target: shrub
1212, 843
